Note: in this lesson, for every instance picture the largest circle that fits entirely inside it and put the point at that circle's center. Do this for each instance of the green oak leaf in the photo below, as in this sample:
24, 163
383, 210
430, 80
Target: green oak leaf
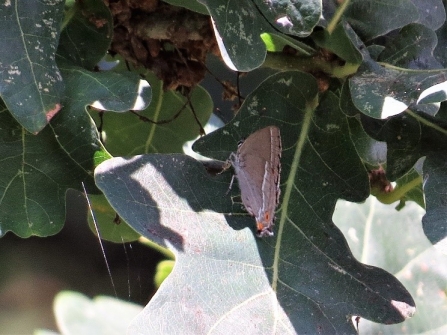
38, 169
32, 87
277, 284
238, 26
372, 18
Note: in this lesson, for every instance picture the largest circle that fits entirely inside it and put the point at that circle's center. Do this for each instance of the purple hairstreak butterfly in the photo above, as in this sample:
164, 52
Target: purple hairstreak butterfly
257, 167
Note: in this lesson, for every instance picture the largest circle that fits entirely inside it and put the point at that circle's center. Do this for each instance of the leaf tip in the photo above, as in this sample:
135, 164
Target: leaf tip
404, 309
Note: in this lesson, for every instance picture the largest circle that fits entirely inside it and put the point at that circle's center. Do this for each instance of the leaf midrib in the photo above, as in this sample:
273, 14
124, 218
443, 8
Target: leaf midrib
305, 128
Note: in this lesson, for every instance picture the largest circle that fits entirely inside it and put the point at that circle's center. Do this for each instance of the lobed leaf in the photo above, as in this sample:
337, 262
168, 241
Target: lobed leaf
241, 283
32, 87
126, 134
372, 18
381, 236
238, 26
38, 169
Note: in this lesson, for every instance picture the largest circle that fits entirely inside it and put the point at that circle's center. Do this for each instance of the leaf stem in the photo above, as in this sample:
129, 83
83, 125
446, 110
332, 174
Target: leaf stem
367, 231
426, 122
399, 192
290, 184
406, 70
70, 12
337, 16
284, 62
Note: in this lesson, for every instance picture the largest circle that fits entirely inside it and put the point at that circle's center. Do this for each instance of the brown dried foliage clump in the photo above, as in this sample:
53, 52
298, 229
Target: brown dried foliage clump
170, 41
